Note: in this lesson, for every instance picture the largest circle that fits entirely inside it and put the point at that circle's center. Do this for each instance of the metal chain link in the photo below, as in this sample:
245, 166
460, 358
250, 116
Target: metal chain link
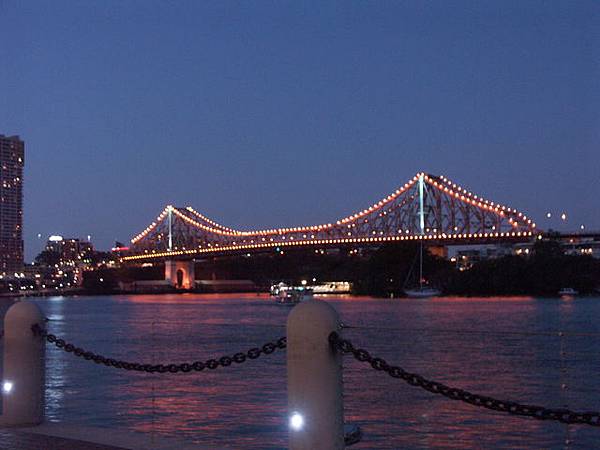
514, 408
197, 366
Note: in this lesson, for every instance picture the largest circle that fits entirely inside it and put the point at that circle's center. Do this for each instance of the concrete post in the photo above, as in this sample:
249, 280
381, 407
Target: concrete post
24, 366
315, 405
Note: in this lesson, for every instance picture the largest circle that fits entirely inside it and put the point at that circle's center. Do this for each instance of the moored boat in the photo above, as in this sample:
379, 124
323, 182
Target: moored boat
290, 295
422, 292
568, 291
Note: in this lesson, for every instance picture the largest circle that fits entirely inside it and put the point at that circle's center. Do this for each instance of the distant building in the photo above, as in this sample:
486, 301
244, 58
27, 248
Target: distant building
12, 159
60, 265
466, 255
70, 251
581, 246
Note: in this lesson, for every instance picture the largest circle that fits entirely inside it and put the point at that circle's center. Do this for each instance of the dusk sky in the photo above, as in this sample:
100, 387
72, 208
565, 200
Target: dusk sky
261, 114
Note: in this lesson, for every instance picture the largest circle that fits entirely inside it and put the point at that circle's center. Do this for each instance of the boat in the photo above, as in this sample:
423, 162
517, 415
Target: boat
332, 287
423, 290
326, 287
290, 295
568, 291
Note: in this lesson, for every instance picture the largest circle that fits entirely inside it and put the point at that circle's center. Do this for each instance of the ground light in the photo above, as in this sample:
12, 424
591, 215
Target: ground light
296, 421
7, 387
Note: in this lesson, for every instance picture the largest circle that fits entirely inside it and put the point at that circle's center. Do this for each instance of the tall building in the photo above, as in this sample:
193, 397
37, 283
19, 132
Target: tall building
12, 159
70, 252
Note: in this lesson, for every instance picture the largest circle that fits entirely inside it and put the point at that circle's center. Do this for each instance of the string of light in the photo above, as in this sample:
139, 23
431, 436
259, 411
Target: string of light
324, 242
440, 183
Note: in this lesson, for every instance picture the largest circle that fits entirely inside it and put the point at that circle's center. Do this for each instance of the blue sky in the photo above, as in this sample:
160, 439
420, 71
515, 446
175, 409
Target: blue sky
262, 114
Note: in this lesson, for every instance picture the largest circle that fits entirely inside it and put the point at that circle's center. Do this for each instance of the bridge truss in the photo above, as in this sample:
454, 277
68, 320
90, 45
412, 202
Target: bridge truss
427, 207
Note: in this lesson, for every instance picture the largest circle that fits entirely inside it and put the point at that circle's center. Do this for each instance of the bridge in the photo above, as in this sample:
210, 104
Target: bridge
427, 208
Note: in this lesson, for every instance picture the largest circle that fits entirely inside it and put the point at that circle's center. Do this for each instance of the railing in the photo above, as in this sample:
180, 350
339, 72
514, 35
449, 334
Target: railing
315, 347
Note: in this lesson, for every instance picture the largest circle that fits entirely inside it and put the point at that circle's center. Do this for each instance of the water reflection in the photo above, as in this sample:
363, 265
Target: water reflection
501, 347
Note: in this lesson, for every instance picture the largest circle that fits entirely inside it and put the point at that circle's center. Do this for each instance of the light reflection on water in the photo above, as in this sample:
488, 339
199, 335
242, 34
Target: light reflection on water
457, 341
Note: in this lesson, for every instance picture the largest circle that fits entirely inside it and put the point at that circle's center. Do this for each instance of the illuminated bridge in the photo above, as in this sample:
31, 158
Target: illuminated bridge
426, 208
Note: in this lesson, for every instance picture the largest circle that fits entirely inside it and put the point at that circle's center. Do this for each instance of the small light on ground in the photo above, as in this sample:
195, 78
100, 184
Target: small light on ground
296, 421
7, 387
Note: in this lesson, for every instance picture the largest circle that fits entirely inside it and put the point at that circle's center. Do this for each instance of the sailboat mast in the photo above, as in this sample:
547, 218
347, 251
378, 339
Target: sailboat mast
421, 266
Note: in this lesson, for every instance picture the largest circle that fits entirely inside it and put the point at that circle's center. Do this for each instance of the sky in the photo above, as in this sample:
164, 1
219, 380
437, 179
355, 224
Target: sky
265, 114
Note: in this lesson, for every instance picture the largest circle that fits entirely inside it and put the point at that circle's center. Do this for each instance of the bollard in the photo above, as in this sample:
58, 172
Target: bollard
315, 405
24, 366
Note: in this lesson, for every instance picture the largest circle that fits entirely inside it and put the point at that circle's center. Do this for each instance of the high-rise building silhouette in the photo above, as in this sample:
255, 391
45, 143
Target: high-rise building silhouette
12, 159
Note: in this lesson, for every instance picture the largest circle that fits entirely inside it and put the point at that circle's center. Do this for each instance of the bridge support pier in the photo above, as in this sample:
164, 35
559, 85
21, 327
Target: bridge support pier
315, 405
181, 274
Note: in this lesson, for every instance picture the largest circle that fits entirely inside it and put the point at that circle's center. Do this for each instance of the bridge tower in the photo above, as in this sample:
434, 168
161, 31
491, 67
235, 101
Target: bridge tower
180, 274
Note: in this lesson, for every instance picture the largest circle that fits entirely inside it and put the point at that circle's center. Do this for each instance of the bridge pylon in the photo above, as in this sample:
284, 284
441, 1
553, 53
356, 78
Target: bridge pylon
181, 274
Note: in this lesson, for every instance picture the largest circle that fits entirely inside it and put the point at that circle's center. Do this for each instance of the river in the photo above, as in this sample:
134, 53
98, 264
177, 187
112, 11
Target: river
509, 348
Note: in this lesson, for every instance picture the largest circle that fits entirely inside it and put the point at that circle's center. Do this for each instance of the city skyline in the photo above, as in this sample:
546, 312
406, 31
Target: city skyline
286, 116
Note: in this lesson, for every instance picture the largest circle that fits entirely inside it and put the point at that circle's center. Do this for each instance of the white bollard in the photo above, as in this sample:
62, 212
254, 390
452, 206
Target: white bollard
24, 366
315, 404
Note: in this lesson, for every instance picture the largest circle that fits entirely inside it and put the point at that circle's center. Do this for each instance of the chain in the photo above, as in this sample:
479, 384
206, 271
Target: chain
537, 412
197, 366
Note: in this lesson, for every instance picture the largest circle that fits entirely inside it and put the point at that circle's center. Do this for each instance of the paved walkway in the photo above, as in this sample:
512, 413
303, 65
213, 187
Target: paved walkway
15, 439
58, 436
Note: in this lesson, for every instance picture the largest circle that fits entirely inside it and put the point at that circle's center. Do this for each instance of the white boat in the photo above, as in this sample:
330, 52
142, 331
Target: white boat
332, 287
568, 291
423, 290
277, 288
290, 295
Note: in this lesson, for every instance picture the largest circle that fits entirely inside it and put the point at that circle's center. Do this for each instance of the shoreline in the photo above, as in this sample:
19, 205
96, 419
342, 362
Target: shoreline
84, 293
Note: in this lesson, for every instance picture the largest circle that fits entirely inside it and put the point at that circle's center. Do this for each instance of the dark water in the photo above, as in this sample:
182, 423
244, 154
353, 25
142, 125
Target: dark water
503, 347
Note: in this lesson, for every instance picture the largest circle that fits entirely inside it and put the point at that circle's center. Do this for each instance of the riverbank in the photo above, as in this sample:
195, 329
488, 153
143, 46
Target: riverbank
382, 272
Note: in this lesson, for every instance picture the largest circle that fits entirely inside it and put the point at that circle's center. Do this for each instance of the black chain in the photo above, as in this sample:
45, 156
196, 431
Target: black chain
197, 366
517, 409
